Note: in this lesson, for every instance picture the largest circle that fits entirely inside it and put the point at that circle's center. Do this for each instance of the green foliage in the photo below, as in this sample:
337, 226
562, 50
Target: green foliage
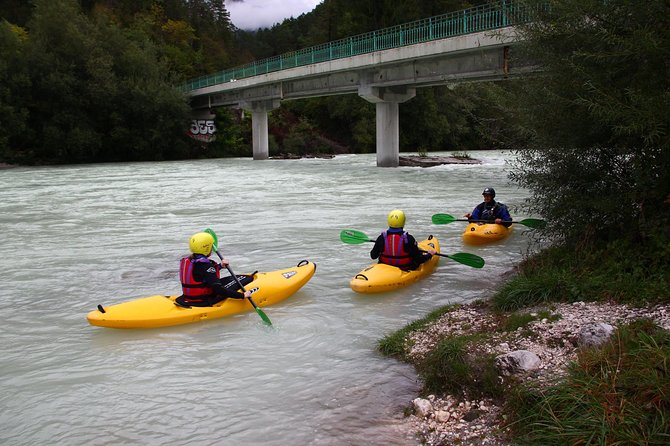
15, 11
230, 130
347, 119
14, 79
617, 394
621, 271
303, 139
594, 125
96, 93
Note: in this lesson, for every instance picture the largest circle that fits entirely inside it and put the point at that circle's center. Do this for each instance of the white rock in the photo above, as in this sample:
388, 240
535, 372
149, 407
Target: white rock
422, 407
442, 416
517, 361
594, 334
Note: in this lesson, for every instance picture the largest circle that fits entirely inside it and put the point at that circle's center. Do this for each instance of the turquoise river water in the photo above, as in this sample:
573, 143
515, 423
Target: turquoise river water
73, 237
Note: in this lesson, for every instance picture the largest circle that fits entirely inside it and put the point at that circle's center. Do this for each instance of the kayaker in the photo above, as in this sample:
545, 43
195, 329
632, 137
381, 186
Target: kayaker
490, 210
397, 247
200, 276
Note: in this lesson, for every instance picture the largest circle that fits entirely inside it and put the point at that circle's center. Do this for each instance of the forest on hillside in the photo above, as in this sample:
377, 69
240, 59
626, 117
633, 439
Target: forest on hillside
93, 81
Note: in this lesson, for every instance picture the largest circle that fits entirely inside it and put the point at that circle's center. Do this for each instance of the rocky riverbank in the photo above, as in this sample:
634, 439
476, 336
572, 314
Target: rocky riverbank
536, 352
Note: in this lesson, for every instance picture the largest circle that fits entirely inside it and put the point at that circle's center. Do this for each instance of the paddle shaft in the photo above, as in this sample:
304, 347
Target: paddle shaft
230, 270
215, 248
443, 219
483, 221
438, 254
354, 237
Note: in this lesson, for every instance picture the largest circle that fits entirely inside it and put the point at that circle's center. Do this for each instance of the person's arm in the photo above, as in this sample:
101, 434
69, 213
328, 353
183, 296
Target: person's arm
503, 216
415, 252
377, 250
208, 277
475, 214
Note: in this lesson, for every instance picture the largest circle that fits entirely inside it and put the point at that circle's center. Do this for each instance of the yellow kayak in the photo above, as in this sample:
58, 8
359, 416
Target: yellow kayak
160, 311
379, 277
480, 233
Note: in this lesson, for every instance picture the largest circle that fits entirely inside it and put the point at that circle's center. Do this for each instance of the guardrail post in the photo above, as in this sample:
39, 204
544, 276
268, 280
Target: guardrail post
504, 13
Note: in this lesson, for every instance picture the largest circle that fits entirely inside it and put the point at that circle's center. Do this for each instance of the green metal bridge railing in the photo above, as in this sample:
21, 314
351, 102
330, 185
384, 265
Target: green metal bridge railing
480, 18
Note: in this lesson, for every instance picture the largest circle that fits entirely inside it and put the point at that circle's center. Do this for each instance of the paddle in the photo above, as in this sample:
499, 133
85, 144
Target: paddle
443, 219
260, 312
354, 237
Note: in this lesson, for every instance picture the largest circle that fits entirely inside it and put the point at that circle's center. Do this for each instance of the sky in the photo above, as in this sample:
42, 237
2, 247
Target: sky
253, 14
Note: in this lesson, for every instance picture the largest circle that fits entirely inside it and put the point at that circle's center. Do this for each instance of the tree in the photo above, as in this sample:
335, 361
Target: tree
96, 93
229, 135
595, 123
14, 79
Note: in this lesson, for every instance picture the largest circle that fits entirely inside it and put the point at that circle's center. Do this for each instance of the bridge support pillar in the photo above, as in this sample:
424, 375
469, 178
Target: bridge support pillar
386, 100
259, 125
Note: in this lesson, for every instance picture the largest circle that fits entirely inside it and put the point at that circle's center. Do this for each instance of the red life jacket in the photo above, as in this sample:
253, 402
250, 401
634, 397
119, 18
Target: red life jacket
395, 249
191, 288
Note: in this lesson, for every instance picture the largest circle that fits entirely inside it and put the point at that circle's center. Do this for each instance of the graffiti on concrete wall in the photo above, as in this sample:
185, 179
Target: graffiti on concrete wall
203, 130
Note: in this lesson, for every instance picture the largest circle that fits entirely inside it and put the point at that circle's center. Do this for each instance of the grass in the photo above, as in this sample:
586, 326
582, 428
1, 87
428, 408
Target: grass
622, 272
518, 320
455, 366
395, 344
615, 394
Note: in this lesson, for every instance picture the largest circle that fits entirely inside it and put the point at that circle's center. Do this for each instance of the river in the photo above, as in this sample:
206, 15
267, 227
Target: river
74, 237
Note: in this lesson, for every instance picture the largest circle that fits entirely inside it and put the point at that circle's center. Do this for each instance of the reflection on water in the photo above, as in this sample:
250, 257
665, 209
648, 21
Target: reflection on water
77, 236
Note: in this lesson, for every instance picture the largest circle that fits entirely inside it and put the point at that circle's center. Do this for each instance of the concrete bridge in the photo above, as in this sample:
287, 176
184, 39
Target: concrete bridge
384, 67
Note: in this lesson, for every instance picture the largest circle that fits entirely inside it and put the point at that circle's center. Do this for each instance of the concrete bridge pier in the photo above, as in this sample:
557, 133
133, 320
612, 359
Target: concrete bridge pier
259, 125
386, 100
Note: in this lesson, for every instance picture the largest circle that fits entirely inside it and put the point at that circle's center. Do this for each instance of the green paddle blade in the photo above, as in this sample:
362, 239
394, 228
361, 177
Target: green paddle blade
442, 219
534, 223
266, 319
467, 259
216, 239
354, 237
